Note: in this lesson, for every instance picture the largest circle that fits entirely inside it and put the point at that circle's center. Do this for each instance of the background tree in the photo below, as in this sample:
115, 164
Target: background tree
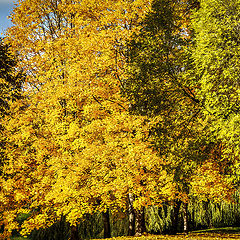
11, 80
216, 57
157, 87
10, 85
160, 84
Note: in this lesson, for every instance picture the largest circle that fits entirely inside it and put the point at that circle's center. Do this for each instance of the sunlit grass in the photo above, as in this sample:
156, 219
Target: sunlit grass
206, 236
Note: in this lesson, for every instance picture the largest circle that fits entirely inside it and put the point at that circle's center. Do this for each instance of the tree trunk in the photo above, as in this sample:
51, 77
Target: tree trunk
208, 214
185, 218
175, 216
140, 227
106, 224
131, 227
74, 233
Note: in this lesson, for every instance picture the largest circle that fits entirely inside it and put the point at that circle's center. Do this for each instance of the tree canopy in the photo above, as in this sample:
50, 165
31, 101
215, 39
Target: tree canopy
120, 97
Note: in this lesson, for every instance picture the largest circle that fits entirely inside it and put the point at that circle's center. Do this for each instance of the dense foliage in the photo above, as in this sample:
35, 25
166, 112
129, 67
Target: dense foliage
126, 105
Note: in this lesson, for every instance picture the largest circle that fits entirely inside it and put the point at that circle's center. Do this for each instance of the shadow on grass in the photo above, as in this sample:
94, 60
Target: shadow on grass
19, 238
226, 230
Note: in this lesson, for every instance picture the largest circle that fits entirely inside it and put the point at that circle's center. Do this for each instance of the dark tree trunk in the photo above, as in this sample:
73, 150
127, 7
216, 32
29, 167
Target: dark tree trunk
131, 227
74, 233
140, 227
106, 224
208, 214
175, 216
185, 218
165, 210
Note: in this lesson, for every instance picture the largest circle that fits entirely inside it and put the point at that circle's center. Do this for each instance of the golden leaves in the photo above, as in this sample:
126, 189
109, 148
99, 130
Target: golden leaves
208, 182
75, 146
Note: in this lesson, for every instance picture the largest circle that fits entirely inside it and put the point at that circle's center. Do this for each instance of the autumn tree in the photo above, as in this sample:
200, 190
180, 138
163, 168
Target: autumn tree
114, 108
76, 149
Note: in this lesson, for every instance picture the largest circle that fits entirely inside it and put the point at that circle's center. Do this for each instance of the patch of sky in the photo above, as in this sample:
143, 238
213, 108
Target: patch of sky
6, 7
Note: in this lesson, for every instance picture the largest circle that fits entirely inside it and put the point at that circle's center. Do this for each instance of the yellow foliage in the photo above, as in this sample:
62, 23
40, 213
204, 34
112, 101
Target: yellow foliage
73, 147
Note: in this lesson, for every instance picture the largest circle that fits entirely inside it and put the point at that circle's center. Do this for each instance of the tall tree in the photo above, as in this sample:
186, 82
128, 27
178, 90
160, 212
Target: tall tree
76, 149
160, 84
158, 87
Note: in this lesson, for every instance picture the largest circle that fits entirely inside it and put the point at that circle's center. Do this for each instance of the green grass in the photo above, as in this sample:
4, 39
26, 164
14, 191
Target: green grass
183, 237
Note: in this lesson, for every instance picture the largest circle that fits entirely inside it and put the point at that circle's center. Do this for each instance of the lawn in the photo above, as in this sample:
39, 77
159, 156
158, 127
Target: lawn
211, 234
229, 233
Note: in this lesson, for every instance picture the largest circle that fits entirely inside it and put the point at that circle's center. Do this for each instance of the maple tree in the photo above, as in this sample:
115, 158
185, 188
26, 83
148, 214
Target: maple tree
73, 147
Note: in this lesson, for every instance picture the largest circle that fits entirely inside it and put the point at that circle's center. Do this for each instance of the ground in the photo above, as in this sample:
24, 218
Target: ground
229, 233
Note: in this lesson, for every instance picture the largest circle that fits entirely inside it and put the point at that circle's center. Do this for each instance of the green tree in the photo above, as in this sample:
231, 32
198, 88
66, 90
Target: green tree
216, 70
216, 55
157, 87
161, 85
11, 79
11, 82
